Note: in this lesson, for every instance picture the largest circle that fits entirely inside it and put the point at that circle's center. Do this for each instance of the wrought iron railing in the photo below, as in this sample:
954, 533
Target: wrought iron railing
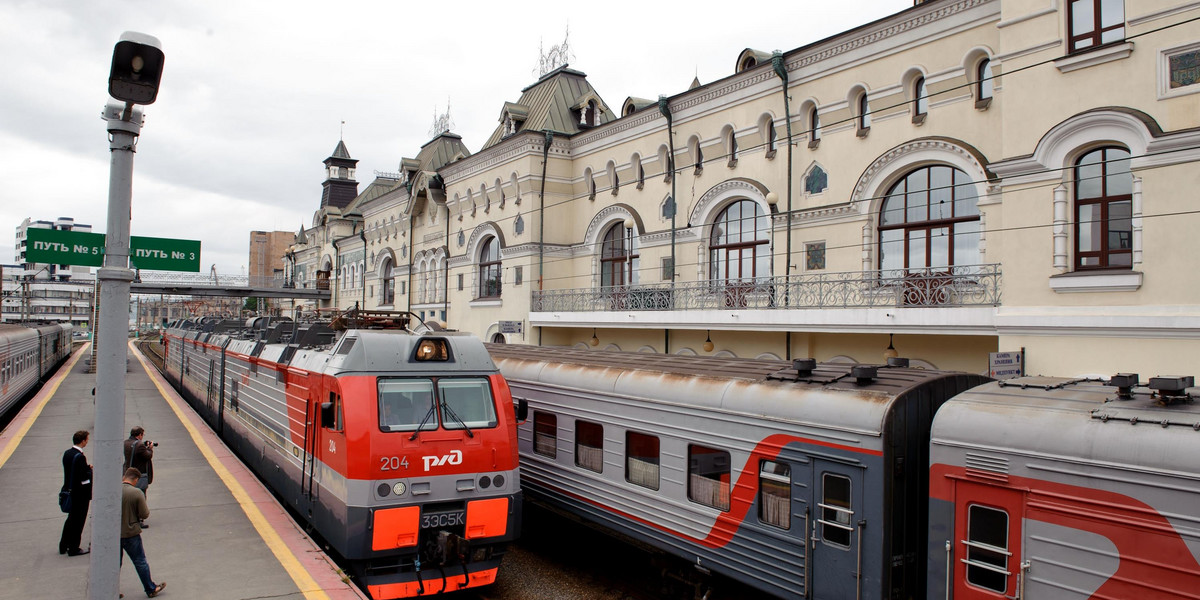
977, 285
217, 280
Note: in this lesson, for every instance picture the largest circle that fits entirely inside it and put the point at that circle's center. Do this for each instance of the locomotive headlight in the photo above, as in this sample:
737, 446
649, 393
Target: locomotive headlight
399, 488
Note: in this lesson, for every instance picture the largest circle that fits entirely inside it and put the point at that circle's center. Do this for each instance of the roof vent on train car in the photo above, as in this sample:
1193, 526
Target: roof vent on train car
1124, 382
897, 362
1172, 388
864, 374
804, 366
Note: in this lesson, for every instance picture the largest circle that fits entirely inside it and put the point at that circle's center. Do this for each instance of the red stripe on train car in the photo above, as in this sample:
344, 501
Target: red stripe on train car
1155, 562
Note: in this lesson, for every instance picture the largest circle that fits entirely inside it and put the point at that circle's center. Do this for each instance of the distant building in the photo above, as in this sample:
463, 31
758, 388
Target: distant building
47, 292
266, 255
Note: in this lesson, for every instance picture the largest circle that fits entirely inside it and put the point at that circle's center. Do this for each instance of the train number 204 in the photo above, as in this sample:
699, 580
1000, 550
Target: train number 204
393, 463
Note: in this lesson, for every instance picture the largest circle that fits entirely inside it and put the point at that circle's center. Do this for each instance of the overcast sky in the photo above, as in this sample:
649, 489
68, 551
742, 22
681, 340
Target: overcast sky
254, 93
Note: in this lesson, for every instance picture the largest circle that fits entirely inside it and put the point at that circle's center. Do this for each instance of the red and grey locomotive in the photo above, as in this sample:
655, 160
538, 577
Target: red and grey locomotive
397, 445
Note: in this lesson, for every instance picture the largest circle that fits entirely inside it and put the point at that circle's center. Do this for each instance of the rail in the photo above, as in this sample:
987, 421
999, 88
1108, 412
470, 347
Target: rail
974, 285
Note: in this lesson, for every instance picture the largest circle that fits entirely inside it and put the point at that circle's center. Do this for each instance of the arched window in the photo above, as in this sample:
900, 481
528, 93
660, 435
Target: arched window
920, 98
389, 284
814, 125
1104, 210
739, 247
489, 269
983, 81
618, 257
929, 221
864, 112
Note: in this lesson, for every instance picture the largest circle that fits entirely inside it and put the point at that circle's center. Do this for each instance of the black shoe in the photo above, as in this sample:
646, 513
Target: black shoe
62, 550
78, 552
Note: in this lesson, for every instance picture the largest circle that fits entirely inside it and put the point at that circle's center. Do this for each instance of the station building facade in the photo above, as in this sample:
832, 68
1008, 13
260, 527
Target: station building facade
960, 178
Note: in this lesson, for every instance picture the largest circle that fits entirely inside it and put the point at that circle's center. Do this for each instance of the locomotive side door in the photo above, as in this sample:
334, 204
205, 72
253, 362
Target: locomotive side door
988, 564
837, 522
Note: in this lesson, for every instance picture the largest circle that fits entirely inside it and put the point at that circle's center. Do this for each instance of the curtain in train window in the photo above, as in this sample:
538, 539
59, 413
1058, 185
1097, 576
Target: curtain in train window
545, 434
708, 476
775, 494
641, 459
836, 510
987, 548
589, 446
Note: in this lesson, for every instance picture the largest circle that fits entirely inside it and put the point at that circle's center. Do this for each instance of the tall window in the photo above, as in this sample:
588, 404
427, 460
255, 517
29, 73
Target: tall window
920, 97
814, 125
983, 85
1103, 210
618, 257
864, 112
389, 284
775, 494
837, 510
987, 548
929, 220
545, 434
589, 445
739, 243
489, 269
1095, 22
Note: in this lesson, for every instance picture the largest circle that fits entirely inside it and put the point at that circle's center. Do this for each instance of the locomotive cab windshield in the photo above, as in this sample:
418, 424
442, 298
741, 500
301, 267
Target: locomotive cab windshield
462, 403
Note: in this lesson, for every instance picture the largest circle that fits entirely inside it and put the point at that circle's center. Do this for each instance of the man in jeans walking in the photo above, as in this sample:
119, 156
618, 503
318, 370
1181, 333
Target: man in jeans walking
133, 510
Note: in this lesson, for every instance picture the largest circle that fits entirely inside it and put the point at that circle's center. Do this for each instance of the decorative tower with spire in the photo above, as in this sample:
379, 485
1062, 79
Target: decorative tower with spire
340, 186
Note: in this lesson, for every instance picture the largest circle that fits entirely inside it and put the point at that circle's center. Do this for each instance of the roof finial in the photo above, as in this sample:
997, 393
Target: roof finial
441, 123
342, 132
558, 56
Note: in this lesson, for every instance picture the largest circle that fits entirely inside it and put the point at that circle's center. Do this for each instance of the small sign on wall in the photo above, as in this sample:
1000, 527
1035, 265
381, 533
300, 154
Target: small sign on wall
1006, 365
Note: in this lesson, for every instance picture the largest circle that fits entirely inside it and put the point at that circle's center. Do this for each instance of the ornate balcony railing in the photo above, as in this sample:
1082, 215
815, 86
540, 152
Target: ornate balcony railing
977, 285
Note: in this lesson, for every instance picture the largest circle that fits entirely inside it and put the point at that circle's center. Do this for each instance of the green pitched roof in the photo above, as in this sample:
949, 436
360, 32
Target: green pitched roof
553, 103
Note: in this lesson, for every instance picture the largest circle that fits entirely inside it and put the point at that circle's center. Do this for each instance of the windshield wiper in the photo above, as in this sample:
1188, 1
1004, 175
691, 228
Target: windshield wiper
446, 409
422, 424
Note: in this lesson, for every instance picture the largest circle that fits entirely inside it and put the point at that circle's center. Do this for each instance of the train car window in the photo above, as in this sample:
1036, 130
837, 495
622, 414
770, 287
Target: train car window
332, 411
589, 446
708, 476
467, 404
545, 434
641, 459
836, 510
775, 494
987, 548
405, 404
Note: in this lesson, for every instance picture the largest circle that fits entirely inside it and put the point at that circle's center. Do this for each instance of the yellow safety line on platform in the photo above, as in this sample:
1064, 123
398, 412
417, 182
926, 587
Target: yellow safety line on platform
303, 580
8, 450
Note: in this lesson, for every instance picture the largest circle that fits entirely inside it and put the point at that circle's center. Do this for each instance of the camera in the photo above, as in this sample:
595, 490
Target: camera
150, 443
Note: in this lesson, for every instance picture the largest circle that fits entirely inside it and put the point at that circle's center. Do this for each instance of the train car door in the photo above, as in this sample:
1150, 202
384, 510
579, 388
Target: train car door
836, 549
987, 542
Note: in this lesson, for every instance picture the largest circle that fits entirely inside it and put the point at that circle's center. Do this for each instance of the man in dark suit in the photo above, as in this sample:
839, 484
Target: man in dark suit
77, 480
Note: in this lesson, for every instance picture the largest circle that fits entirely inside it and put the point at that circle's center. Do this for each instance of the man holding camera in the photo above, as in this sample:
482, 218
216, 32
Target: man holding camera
139, 454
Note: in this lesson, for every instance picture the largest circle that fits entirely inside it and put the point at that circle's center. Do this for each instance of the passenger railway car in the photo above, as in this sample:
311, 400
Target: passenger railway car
397, 445
801, 480
1049, 488
28, 354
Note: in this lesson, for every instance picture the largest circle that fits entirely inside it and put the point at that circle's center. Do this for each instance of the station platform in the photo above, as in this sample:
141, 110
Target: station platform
215, 532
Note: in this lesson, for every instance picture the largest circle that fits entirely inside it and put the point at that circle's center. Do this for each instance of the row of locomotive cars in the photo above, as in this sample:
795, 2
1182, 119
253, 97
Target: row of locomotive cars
397, 445
857, 482
28, 354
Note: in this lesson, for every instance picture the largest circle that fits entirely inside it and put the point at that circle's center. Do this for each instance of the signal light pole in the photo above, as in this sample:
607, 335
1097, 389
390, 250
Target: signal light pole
137, 63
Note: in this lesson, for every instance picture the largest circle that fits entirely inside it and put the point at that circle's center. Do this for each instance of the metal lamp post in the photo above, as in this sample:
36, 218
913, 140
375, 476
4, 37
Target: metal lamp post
137, 63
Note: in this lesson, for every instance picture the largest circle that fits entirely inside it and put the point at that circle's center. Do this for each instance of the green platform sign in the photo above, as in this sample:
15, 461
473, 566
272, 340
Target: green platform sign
55, 246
